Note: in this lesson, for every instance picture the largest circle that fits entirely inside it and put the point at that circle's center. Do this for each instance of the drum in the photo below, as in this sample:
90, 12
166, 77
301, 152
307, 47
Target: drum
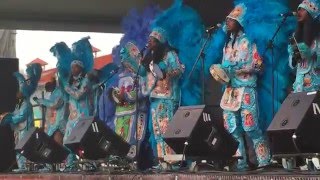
155, 70
219, 74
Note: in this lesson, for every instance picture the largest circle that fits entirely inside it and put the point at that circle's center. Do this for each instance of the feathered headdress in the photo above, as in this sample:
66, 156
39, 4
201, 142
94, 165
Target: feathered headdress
82, 51
64, 56
28, 86
136, 28
261, 20
185, 31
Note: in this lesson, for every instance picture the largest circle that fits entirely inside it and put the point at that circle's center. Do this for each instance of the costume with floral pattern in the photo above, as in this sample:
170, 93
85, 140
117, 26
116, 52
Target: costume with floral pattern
242, 63
239, 100
22, 117
122, 93
164, 95
308, 68
56, 111
77, 87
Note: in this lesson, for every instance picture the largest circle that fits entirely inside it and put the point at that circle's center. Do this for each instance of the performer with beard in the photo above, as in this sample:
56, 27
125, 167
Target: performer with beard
242, 63
305, 55
162, 70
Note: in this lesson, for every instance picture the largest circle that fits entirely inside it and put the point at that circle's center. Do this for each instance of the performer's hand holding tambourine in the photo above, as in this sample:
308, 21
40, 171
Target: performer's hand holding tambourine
219, 74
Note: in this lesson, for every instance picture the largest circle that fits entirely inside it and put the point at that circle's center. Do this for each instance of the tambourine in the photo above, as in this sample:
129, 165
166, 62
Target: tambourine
155, 70
219, 74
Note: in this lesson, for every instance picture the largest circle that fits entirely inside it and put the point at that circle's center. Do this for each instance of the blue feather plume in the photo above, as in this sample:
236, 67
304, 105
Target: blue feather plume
136, 28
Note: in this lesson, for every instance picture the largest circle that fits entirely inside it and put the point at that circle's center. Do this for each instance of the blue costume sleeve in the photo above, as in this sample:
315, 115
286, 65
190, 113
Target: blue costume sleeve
175, 68
107, 107
82, 92
305, 52
55, 101
21, 115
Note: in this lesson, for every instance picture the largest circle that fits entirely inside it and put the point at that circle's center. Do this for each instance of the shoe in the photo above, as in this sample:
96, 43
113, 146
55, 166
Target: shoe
47, 168
20, 170
71, 169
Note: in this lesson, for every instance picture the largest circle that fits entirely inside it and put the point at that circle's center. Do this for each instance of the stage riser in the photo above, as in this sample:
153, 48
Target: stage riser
160, 177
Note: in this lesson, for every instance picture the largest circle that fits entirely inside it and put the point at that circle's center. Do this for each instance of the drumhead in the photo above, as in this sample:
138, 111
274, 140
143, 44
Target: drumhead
219, 74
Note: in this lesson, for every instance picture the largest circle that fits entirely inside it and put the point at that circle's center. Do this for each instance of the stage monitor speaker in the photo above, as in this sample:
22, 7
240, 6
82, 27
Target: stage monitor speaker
7, 153
9, 84
38, 147
93, 140
295, 127
202, 127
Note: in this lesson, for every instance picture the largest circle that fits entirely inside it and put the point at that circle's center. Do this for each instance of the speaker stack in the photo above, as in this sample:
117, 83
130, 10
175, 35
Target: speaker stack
92, 140
295, 127
38, 147
202, 128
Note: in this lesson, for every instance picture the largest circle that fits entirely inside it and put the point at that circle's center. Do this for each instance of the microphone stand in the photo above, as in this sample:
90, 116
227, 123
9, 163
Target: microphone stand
43, 111
270, 46
137, 104
202, 56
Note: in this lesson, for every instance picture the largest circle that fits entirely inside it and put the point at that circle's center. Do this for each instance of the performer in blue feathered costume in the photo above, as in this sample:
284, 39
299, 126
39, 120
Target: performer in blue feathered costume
308, 38
162, 87
22, 118
123, 93
75, 84
56, 110
79, 106
242, 63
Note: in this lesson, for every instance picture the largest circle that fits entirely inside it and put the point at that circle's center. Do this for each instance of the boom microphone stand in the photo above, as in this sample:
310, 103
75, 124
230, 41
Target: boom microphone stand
137, 103
202, 56
270, 46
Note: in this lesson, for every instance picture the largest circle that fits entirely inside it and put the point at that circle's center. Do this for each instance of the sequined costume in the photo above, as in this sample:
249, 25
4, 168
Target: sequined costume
79, 106
242, 63
22, 120
22, 117
77, 87
123, 94
164, 95
56, 111
307, 70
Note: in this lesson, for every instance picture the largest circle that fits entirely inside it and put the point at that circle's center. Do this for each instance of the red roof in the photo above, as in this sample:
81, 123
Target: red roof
47, 75
94, 49
99, 63
38, 60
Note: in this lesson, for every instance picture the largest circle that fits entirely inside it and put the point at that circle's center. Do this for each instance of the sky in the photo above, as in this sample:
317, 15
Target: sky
36, 44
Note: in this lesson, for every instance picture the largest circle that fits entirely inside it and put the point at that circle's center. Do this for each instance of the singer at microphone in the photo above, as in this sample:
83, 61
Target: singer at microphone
288, 14
212, 28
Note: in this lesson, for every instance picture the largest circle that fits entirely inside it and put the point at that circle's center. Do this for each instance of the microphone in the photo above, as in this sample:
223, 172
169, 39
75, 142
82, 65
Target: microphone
212, 28
288, 14
144, 48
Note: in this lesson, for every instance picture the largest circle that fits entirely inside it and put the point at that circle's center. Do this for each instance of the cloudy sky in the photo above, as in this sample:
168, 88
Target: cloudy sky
36, 44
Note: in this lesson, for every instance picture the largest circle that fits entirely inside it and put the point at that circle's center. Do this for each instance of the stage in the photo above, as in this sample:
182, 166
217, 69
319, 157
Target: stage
259, 175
